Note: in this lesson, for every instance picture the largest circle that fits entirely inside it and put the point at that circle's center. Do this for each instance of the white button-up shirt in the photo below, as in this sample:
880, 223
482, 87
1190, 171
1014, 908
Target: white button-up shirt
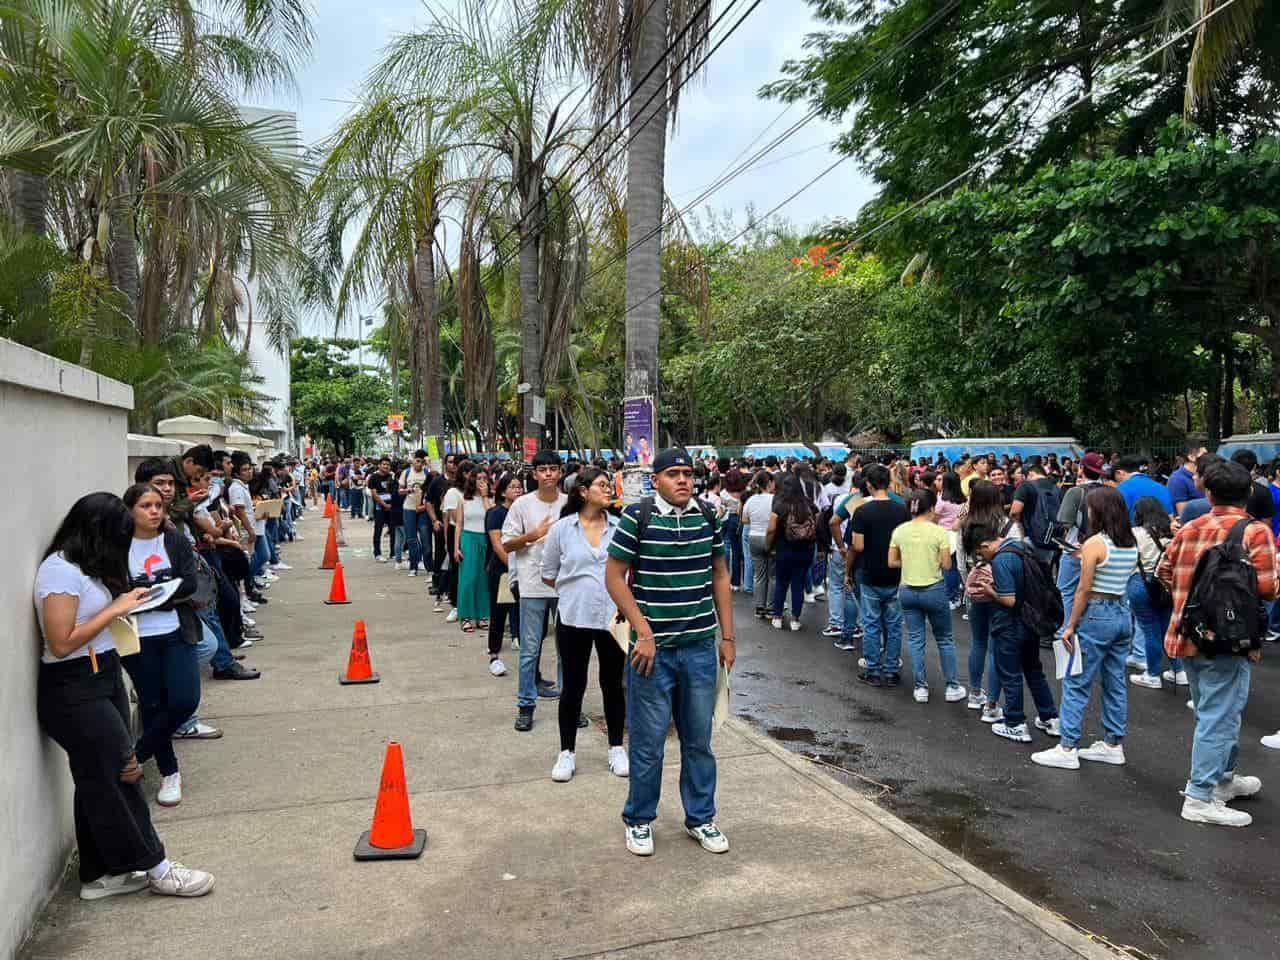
577, 568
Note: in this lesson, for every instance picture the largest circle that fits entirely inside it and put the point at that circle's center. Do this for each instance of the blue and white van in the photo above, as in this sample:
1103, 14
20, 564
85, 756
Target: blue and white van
953, 449
1265, 446
781, 450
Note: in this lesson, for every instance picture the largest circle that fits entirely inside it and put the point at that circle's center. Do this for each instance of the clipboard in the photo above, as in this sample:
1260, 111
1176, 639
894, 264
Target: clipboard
160, 595
504, 589
268, 509
124, 634
721, 712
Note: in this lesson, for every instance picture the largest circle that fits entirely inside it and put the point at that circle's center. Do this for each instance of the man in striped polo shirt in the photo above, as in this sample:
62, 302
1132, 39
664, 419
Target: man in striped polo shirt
679, 594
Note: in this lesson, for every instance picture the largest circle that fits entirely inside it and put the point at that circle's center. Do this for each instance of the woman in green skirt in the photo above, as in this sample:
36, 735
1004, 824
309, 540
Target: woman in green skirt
472, 552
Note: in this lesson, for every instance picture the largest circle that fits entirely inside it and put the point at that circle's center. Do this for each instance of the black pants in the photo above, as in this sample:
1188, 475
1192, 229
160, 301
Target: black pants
229, 615
499, 614
438, 554
575, 652
87, 714
236, 566
449, 578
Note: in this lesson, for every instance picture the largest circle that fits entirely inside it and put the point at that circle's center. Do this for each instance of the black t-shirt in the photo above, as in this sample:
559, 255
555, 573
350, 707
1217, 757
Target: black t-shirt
876, 520
378, 485
1026, 495
493, 520
436, 490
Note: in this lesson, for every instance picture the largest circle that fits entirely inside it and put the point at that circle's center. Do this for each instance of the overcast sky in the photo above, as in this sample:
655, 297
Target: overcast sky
719, 115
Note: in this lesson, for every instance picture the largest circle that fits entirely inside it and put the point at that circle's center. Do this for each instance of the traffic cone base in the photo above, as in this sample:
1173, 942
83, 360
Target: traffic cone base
366, 851
372, 678
337, 603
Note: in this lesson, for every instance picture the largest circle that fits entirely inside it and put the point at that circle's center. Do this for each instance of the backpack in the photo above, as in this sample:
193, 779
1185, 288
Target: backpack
1082, 512
1040, 607
1224, 613
801, 531
1040, 525
646, 513
824, 528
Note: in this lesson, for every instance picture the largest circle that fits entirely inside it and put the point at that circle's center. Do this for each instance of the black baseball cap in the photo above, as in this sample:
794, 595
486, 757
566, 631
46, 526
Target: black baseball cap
672, 457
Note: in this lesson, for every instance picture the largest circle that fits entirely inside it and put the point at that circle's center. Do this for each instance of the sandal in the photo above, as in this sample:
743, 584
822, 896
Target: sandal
483, 624
468, 626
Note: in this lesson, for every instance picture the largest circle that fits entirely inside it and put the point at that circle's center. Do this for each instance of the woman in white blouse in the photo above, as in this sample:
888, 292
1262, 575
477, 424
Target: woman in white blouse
80, 589
573, 561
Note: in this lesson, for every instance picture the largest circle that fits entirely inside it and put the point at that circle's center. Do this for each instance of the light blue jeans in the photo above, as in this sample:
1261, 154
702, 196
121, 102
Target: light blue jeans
417, 535
982, 651
205, 650
748, 566
1220, 690
835, 589
881, 611
1153, 624
533, 612
1104, 635
682, 688
929, 604
1068, 580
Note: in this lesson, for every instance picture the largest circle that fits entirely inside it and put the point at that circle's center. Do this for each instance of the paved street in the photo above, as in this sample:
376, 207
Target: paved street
516, 866
1105, 847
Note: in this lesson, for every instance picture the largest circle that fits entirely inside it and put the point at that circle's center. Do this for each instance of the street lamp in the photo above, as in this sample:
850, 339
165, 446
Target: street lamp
364, 320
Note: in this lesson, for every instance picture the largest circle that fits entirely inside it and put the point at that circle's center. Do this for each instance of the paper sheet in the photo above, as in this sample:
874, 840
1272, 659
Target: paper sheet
161, 593
1067, 662
721, 713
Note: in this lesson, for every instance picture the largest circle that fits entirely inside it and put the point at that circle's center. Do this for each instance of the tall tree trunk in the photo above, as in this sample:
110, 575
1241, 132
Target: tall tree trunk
531, 308
1229, 390
1213, 402
647, 122
122, 257
424, 269
31, 202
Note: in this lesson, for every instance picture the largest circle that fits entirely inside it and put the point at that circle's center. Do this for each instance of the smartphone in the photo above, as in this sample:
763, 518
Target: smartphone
1064, 546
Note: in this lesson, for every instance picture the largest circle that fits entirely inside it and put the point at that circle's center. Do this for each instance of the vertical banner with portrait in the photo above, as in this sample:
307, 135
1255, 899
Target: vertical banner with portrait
639, 445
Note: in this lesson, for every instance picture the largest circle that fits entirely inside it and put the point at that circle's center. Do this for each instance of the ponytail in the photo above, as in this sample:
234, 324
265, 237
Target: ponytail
922, 501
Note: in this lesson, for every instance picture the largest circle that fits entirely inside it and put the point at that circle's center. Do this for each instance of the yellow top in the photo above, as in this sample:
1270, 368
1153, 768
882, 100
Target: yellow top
920, 545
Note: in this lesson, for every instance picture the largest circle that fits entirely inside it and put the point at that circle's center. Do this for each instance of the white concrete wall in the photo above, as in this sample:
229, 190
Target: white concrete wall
142, 447
66, 426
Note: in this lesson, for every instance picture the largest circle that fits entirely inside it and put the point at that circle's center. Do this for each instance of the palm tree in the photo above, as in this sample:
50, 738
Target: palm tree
1218, 41
640, 53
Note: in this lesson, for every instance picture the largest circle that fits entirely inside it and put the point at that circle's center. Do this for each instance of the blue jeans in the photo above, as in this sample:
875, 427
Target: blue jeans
273, 538
1068, 580
1273, 617
206, 651
356, 501
220, 657
1104, 635
1153, 623
167, 677
955, 586
1220, 689
533, 614
982, 651
261, 556
921, 604
682, 688
835, 590
748, 565
881, 609
731, 531
1017, 655
851, 621
792, 570
417, 535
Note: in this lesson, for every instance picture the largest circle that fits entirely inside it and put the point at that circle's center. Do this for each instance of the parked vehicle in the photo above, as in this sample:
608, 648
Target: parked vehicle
1266, 446
1022, 447
780, 449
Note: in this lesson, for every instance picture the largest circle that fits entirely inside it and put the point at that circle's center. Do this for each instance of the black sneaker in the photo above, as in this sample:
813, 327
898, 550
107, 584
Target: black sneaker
548, 690
258, 599
892, 679
252, 633
871, 679
857, 635
237, 671
582, 720
524, 719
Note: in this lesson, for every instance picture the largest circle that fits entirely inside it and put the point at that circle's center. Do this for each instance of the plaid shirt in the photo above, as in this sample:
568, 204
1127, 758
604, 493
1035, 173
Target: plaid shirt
1178, 566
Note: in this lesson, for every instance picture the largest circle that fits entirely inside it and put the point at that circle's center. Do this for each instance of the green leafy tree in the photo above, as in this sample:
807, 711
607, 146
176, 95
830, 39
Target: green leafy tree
332, 399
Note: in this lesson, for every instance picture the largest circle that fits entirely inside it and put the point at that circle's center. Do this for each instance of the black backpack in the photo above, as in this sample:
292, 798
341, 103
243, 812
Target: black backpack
1224, 614
1041, 523
1040, 607
646, 513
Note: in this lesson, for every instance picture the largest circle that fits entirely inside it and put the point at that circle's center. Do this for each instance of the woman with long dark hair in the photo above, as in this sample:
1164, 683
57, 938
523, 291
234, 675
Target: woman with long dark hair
574, 558
757, 511
986, 512
951, 503
793, 531
1152, 532
1099, 631
81, 588
507, 489
472, 551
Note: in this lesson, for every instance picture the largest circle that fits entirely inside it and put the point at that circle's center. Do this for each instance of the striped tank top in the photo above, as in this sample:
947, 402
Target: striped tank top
1112, 575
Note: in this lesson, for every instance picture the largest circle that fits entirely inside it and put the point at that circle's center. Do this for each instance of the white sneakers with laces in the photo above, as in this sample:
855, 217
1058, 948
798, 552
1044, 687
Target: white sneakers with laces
1214, 812
795, 626
1064, 758
1102, 752
452, 617
1237, 788
170, 794
1151, 681
640, 839
1272, 741
1052, 726
109, 886
1180, 678
565, 766
709, 837
921, 694
619, 764
955, 693
497, 667
1017, 732
182, 881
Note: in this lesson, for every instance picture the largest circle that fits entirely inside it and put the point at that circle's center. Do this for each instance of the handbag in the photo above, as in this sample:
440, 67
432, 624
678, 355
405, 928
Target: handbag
1157, 592
621, 631
975, 584
206, 594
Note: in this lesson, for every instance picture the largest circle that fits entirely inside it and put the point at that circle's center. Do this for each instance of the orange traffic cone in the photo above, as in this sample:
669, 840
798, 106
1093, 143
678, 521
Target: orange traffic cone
338, 587
392, 836
359, 669
328, 506
330, 549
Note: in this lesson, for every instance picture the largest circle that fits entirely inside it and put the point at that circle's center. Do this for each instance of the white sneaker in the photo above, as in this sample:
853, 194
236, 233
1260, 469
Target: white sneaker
245, 644
1237, 788
808, 598
1191, 705
795, 626
452, 617
497, 667
1135, 661
954, 693
992, 714
819, 593
247, 607
1102, 752
1215, 812
1145, 679
1052, 726
710, 837
268, 576
413, 573
776, 623
182, 881
380, 559
1272, 741
921, 694
640, 839
618, 762
1180, 678
1058, 756
1018, 733
281, 566
977, 700
170, 794
109, 886
248, 621
562, 772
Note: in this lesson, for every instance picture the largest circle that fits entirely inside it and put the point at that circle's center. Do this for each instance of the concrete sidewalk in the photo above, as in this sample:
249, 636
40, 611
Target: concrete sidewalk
516, 866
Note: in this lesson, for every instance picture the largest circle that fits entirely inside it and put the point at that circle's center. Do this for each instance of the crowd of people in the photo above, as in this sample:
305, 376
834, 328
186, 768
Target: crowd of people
1174, 577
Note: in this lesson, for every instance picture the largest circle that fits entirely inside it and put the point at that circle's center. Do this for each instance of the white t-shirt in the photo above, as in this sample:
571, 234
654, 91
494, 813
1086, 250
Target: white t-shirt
473, 513
238, 496
58, 575
526, 514
415, 481
756, 512
449, 503
149, 563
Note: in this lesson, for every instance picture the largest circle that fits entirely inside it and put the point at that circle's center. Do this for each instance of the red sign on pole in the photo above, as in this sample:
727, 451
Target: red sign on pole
530, 448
